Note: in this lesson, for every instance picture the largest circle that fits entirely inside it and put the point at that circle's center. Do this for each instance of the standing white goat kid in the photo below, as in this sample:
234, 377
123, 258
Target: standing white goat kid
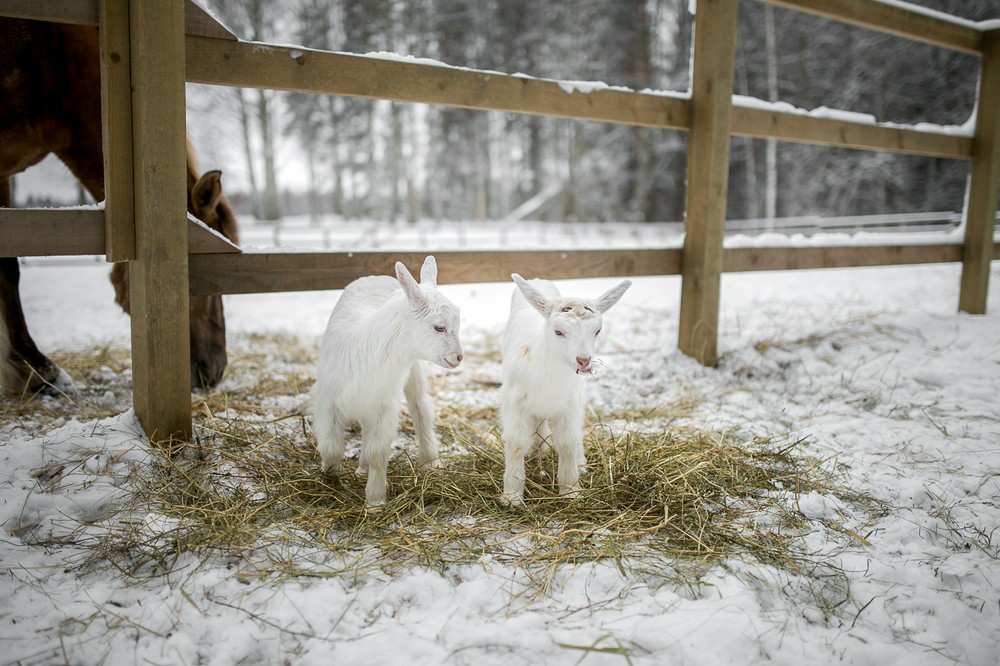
543, 360
379, 331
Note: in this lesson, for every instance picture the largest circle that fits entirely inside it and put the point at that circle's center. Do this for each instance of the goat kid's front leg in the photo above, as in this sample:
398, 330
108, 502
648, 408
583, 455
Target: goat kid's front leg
567, 440
376, 445
518, 431
418, 400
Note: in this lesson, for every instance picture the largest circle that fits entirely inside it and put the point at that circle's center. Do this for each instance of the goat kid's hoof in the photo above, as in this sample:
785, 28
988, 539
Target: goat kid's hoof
433, 464
333, 469
361, 471
512, 500
375, 505
570, 492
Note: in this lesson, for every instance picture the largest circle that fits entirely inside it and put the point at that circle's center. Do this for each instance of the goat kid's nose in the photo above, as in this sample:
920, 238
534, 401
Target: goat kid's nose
459, 357
583, 361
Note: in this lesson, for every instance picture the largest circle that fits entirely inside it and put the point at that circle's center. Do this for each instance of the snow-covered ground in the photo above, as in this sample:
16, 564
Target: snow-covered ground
886, 382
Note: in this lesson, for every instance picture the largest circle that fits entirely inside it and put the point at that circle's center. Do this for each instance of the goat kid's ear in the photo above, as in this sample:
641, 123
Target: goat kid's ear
612, 296
207, 191
416, 297
429, 271
531, 294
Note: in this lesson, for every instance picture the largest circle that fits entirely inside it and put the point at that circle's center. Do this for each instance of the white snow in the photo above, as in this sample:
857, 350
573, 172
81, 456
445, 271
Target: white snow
873, 367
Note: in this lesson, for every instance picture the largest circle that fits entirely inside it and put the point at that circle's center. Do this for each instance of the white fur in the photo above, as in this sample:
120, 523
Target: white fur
548, 345
379, 331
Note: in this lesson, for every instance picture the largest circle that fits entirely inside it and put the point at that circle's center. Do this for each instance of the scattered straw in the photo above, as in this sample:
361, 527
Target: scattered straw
659, 494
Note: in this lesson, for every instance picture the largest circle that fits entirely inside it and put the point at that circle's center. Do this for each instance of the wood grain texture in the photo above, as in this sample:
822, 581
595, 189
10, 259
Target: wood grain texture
197, 21
763, 123
158, 289
894, 19
984, 182
306, 271
707, 179
116, 131
220, 62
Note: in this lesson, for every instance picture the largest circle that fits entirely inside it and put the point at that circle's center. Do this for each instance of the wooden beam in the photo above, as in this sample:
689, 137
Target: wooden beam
38, 232
258, 273
251, 65
895, 19
984, 183
116, 132
761, 123
158, 289
739, 260
251, 273
54, 232
197, 21
76, 12
707, 178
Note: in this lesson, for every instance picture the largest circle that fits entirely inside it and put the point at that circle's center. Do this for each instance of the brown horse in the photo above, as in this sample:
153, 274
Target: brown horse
50, 102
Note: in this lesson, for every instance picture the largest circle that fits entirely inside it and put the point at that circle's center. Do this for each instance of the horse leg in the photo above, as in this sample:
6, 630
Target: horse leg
22, 367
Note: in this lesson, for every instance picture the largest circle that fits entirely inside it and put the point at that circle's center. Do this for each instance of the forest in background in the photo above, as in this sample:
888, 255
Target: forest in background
364, 159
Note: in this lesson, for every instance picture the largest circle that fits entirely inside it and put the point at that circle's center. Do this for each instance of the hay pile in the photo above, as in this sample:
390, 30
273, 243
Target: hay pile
662, 499
659, 493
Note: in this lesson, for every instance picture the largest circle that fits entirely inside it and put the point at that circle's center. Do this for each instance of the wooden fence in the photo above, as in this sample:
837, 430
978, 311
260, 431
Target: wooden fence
150, 47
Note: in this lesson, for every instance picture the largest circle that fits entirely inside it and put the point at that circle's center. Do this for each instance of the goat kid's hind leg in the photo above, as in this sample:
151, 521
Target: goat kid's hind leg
376, 445
418, 400
330, 438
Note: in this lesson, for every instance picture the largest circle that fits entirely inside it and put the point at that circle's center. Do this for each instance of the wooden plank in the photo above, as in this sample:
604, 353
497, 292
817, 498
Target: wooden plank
707, 178
36, 232
260, 272
203, 240
197, 21
158, 290
251, 273
55, 232
251, 65
895, 19
116, 118
77, 12
984, 183
763, 123
737, 260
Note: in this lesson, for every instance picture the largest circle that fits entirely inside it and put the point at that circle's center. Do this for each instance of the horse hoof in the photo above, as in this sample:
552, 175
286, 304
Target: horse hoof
64, 383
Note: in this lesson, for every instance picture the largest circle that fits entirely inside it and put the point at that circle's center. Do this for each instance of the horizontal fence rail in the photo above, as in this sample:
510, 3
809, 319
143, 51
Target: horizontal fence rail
252, 273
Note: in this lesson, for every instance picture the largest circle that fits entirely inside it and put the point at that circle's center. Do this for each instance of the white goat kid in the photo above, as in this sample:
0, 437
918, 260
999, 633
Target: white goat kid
543, 360
379, 331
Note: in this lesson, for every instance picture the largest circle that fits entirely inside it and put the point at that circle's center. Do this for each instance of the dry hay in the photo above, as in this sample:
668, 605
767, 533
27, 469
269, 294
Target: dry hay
671, 501
659, 494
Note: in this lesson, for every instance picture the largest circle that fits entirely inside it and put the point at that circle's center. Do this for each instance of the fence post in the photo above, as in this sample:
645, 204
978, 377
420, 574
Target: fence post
158, 277
984, 181
707, 177
116, 111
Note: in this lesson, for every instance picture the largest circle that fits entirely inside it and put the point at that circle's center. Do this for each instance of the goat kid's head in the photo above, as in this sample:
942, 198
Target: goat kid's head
572, 325
434, 329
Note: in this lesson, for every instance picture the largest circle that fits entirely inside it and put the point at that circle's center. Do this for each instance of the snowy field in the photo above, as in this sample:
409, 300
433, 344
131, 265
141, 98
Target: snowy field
887, 385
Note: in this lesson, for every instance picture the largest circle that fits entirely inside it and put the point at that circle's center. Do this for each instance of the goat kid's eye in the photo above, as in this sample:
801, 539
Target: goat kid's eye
598, 332
440, 329
560, 334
